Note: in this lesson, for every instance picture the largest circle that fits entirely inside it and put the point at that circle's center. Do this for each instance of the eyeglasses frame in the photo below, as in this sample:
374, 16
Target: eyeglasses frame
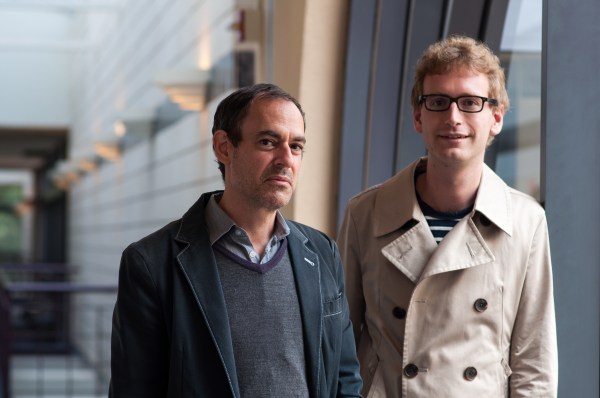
421, 99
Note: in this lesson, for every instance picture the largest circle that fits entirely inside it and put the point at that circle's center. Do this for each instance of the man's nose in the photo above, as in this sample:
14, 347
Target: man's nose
454, 115
284, 155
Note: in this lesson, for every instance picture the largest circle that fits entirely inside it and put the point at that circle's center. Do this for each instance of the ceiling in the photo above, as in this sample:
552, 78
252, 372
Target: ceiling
31, 149
37, 148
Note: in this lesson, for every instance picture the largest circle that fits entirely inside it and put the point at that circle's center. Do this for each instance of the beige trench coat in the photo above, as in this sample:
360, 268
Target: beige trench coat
472, 317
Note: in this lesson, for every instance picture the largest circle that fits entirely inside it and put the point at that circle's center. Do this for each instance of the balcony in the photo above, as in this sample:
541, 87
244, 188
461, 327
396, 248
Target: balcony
54, 333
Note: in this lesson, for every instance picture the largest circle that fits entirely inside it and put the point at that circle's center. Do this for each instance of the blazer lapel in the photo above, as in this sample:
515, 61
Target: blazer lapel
199, 266
306, 267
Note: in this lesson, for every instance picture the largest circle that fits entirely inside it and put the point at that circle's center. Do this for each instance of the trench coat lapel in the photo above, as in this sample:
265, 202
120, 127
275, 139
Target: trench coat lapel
418, 256
305, 264
199, 266
396, 206
411, 251
415, 252
463, 247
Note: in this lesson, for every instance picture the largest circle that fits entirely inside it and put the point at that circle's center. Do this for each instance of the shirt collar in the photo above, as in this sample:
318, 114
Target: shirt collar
219, 223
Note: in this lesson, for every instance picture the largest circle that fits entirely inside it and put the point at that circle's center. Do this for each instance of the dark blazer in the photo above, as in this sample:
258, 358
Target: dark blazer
170, 334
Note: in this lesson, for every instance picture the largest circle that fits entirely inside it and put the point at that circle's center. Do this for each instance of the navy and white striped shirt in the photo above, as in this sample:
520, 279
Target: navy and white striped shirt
441, 223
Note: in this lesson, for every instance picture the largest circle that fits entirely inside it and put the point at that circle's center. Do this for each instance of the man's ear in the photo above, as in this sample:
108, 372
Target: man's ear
222, 146
498, 115
417, 120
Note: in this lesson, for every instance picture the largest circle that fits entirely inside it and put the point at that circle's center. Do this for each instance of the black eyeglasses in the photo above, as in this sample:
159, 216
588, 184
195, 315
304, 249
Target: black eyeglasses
466, 103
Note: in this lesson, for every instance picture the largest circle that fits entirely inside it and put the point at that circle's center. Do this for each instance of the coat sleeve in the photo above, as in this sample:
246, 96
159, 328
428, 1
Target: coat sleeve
349, 244
349, 380
139, 360
533, 354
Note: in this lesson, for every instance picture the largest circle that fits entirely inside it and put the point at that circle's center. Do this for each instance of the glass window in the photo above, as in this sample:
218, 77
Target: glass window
516, 153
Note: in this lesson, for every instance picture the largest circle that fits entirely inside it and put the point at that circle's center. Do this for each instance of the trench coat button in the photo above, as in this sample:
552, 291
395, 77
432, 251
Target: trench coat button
485, 221
470, 373
480, 305
399, 313
411, 370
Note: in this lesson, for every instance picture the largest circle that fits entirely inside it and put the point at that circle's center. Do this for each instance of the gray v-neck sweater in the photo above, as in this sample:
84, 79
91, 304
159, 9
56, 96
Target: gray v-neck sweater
266, 325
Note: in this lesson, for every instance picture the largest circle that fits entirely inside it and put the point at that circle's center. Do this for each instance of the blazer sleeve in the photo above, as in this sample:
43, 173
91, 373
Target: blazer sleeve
349, 381
139, 360
533, 354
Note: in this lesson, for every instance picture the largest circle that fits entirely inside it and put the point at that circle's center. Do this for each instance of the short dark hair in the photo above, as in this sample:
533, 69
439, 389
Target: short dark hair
232, 110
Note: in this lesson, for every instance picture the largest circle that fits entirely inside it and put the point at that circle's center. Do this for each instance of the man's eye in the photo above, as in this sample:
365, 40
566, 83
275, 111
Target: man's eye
439, 101
297, 147
471, 102
266, 142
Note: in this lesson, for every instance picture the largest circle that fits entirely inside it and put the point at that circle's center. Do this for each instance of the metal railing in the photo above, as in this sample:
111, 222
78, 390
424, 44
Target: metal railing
54, 333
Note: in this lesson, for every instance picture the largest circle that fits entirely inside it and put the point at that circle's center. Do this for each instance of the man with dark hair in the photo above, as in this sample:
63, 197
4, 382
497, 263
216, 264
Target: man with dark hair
448, 269
233, 300
232, 110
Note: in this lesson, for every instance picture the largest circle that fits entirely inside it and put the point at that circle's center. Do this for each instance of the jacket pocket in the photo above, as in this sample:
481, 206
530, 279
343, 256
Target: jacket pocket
333, 307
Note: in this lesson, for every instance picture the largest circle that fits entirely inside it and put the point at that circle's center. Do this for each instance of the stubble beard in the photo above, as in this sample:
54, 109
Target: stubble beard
274, 197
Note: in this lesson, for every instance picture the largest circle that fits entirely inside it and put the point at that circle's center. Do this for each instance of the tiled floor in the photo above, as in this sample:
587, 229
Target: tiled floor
52, 377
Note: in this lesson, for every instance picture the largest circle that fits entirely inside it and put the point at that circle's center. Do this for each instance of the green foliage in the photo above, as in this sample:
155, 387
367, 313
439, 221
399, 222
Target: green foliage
10, 222
10, 195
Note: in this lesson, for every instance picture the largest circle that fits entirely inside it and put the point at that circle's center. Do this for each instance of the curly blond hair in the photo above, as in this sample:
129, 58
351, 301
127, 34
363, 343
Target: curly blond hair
457, 52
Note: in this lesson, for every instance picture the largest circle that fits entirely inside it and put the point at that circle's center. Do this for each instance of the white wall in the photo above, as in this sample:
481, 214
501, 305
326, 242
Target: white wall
158, 179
